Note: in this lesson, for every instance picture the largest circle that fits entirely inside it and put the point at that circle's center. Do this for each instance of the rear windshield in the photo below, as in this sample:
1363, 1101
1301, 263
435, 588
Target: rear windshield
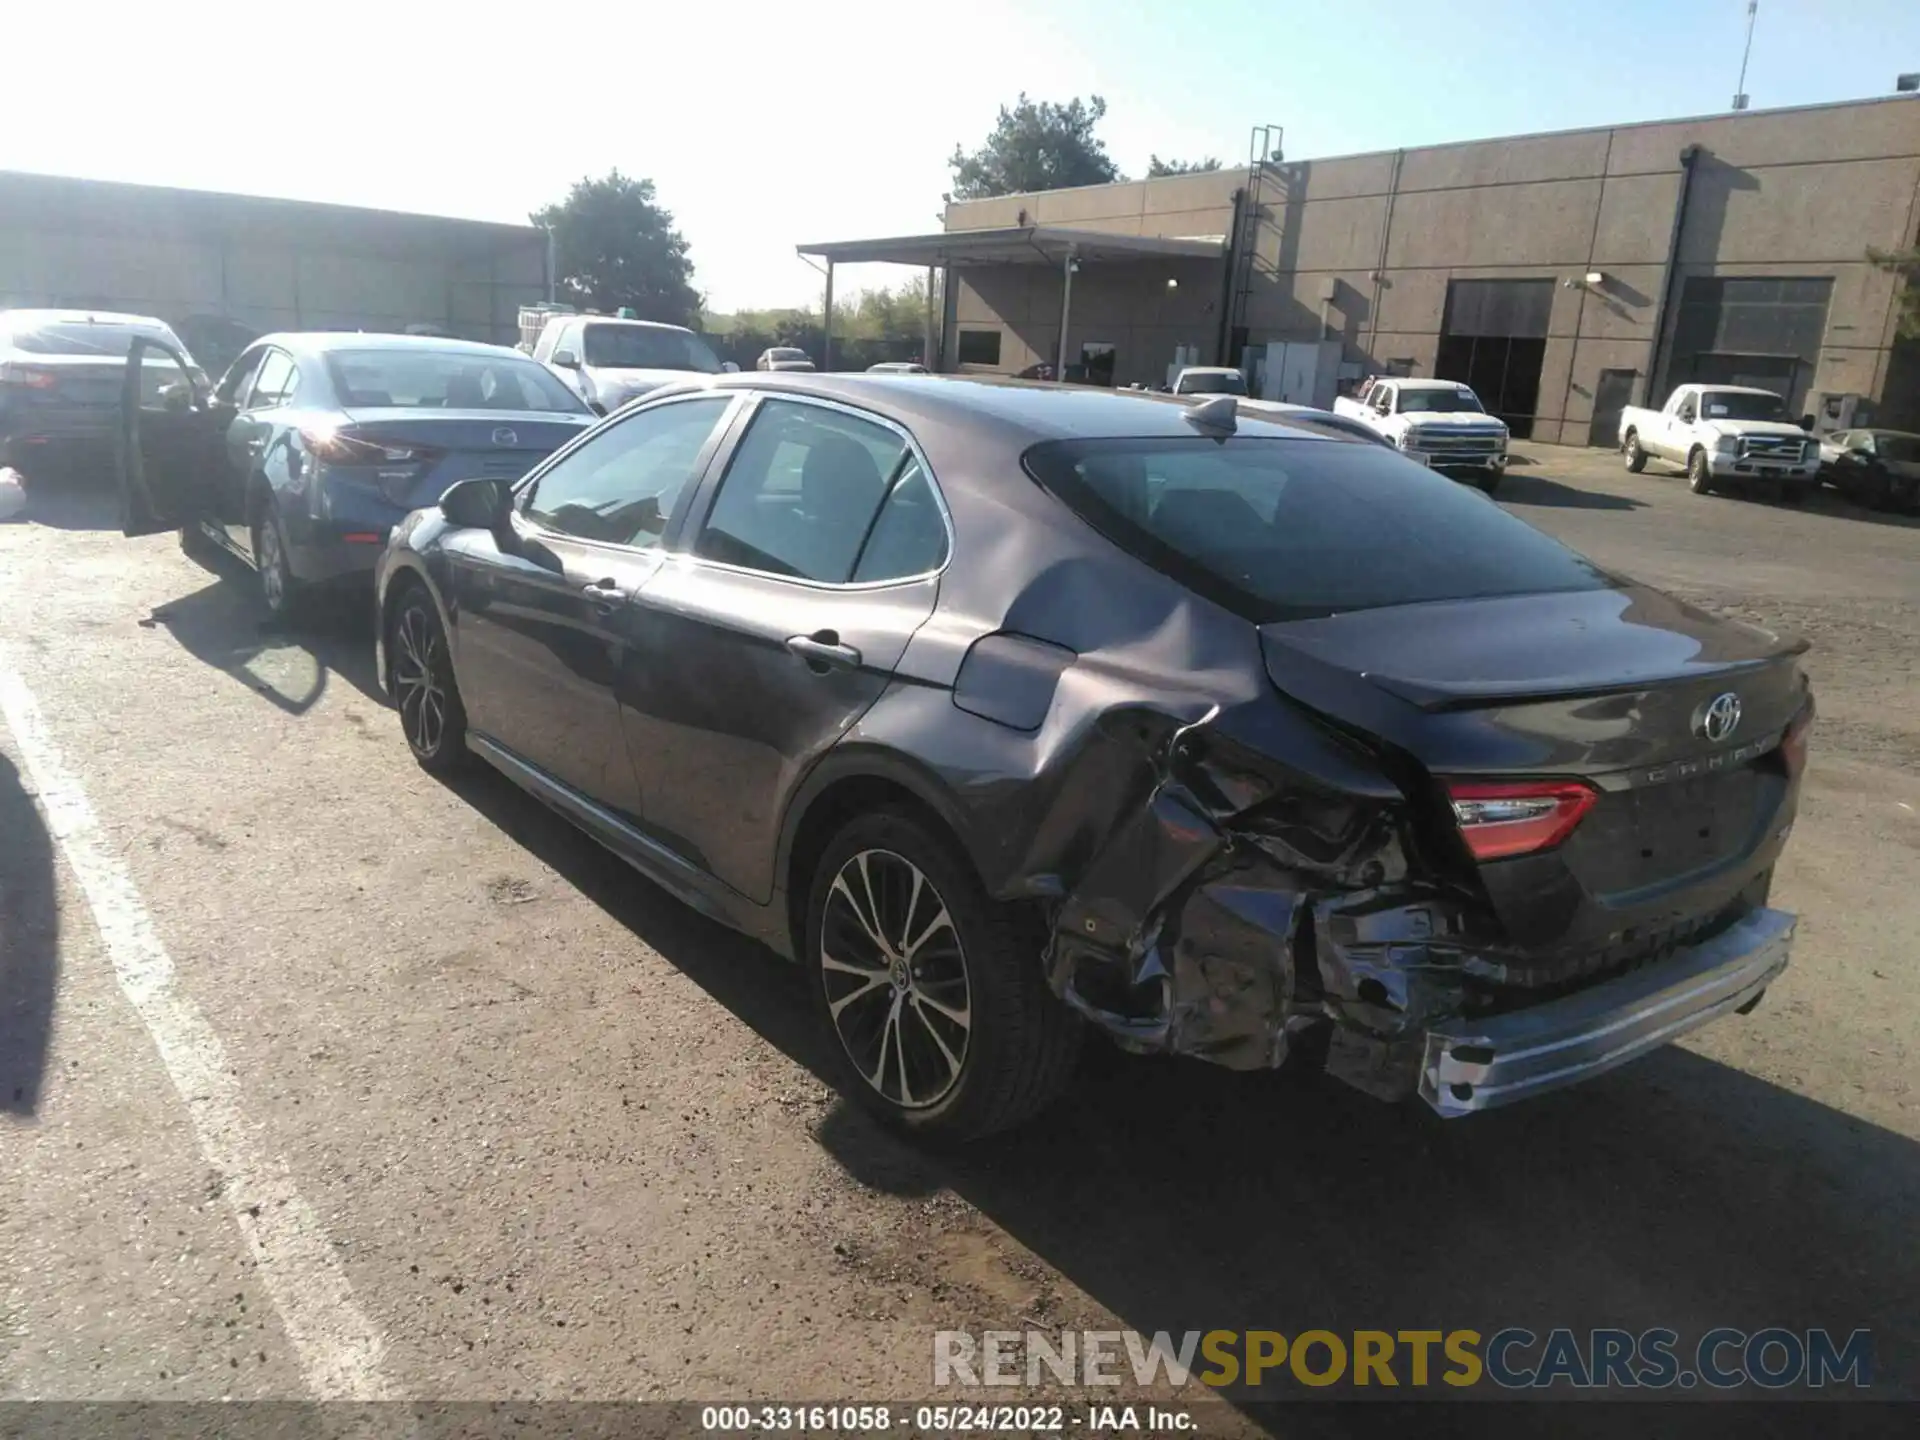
640, 347
446, 379
787, 354
1903, 449
1296, 529
77, 337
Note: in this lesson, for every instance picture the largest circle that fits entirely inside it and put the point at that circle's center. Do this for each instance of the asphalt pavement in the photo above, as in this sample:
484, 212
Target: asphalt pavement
323, 1078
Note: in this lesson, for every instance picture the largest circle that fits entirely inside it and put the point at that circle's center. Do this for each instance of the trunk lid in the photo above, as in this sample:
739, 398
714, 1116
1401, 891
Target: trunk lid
1608, 686
89, 382
1584, 682
472, 444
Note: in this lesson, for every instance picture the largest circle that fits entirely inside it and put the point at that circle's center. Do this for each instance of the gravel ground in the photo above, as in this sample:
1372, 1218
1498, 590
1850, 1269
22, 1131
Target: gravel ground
478, 1114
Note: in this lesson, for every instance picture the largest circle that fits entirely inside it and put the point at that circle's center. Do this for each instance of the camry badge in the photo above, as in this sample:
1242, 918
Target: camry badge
1718, 718
504, 436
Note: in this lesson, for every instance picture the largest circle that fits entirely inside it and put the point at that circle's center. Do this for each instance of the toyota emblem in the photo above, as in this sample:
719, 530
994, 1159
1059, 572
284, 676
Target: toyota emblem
1718, 718
504, 436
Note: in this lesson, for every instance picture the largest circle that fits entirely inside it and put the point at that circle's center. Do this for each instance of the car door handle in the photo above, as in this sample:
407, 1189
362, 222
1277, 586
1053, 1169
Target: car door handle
605, 595
823, 651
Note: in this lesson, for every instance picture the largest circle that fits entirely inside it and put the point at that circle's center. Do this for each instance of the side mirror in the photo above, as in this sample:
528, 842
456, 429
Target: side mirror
566, 359
476, 504
727, 367
1806, 422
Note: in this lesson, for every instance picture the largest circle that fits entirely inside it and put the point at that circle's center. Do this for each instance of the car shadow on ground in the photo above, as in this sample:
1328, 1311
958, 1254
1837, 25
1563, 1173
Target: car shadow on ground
29, 945
1826, 501
224, 624
1677, 1192
1540, 490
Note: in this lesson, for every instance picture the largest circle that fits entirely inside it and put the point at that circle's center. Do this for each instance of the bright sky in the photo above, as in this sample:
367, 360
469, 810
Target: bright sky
767, 123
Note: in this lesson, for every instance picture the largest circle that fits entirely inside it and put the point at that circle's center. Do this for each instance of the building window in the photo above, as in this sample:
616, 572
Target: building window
979, 347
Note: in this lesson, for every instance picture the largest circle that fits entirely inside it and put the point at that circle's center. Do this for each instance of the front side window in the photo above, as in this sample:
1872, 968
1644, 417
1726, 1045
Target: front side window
409, 379
802, 493
622, 485
1296, 529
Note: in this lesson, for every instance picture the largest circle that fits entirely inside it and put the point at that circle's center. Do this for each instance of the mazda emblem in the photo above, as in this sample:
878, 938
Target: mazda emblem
504, 436
1718, 718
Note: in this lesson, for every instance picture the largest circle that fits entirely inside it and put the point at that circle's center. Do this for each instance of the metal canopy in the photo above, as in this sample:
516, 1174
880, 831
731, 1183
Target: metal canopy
1016, 245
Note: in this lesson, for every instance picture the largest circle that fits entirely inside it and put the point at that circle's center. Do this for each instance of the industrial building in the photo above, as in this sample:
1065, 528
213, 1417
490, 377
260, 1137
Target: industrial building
1562, 275
222, 269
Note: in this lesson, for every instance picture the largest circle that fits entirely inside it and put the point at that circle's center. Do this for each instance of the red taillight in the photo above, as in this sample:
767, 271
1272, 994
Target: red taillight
342, 447
1517, 817
1793, 744
27, 377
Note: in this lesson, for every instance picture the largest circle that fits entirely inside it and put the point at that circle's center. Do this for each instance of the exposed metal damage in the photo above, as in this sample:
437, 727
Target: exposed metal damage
1231, 915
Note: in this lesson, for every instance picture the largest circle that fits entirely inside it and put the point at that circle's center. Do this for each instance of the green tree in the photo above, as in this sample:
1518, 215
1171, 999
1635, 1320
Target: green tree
1036, 145
1156, 167
616, 245
1905, 264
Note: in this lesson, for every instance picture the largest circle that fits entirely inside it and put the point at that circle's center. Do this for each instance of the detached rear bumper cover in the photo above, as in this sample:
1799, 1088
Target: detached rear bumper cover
1473, 1065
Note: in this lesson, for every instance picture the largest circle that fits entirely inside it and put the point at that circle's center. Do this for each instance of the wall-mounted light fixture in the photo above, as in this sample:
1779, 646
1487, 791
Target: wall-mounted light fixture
1172, 283
1596, 277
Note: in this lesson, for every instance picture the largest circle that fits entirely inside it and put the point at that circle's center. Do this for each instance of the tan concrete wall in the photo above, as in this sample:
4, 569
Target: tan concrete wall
1799, 192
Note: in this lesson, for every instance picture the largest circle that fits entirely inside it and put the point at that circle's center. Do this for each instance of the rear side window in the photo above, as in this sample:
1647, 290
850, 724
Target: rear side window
276, 383
1295, 529
803, 492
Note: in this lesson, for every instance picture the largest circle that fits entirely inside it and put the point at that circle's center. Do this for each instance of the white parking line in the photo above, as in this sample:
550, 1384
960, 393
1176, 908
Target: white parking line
339, 1347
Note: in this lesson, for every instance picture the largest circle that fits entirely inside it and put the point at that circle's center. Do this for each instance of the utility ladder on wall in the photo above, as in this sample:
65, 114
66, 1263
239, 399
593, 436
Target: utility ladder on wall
1263, 149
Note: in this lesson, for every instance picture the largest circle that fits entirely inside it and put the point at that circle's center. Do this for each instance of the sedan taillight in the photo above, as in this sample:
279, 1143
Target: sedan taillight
26, 377
343, 447
1499, 819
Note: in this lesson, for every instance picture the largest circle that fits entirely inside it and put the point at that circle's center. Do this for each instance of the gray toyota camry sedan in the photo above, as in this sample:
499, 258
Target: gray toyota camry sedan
1015, 713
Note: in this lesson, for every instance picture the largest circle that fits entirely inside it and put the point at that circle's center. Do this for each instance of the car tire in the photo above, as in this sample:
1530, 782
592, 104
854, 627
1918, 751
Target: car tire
1699, 474
286, 598
196, 545
885, 966
1630, 451
420, 678
1876, 490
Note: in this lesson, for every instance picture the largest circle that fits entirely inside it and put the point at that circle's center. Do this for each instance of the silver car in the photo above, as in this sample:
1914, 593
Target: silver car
783, 357
609, 361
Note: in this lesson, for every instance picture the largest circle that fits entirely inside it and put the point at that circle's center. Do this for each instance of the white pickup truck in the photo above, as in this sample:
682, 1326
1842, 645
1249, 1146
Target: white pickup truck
1440, 423
1728, 437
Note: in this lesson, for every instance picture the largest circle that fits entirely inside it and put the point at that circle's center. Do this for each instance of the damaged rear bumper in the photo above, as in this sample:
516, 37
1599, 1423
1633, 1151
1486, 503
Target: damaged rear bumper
1470, 1065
